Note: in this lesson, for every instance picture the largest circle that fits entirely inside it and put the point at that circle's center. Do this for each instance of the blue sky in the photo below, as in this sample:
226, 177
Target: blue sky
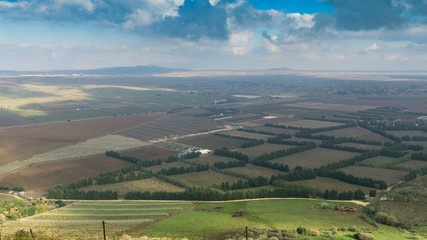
214, 34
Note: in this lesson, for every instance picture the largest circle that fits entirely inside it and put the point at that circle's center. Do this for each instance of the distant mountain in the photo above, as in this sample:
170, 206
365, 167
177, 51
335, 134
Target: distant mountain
280, 69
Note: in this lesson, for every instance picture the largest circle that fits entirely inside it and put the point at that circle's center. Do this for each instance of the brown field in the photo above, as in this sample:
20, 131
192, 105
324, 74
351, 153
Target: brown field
324, 184
212, 142
355, 132
151, 153
252, 171
39, 178
205, 179
405, 211
275, 130
411, 104
407, 133
360, 146
210, 159
256, 151
236, 133
331, 106
17, 143
150, 185
311, 124
177, 164
314, 158
413, 164
171, 125
387, 175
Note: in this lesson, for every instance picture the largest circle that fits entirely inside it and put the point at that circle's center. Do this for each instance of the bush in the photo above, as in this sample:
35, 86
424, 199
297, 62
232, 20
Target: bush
313, 232
353, 229
289, 233
301, 230
386, 219
364, 236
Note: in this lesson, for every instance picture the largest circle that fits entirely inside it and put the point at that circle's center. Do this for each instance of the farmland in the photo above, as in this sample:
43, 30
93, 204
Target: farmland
413, 164
253, 152
311, 124
389, 176
151, 185
357, 132
212, 142
150, 152
205, 179
324, 184
38, 178
381, 162
312, 158
251, 171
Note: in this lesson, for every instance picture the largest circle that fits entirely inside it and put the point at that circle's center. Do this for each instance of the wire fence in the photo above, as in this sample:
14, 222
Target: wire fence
100, 231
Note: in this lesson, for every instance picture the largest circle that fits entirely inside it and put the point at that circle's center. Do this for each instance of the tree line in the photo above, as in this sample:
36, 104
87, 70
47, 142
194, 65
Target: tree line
61, 192
230, 164
131, 159
284, 152
227, 153
184, 170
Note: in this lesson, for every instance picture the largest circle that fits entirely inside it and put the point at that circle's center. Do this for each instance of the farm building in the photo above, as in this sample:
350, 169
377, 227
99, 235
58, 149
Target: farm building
194, 150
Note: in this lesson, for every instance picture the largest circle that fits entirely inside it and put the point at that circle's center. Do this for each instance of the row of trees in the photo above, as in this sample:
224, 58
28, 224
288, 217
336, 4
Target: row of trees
350, 195
256, 131
348, 162
203, 194
299, 173
227, 153
131, 159
252, 143
16, 189
276, 166
349, 178
284, 152
283, 126
61, 192
419, 156
241, 184
184, 170
230, 164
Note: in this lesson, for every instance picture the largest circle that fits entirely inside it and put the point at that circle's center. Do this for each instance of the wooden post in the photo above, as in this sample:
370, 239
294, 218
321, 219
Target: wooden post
246, 233
32, 235
103, 230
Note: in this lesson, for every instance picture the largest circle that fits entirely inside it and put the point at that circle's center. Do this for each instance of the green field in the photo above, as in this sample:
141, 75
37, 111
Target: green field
381, 162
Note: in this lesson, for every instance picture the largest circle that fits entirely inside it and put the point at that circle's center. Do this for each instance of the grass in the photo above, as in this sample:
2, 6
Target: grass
252, 171
381, 162
214, 220
205, 179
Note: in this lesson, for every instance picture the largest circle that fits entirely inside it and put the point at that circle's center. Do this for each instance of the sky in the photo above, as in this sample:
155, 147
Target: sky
343, 35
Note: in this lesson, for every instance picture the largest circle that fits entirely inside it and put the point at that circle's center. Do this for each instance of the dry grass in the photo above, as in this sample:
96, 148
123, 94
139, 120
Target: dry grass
150, 185
387, 175
315, 158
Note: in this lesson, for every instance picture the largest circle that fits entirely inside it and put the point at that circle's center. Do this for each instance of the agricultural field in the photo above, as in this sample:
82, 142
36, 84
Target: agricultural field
252, 171
413, 164
381, 162
150, 185
360, 146
177, 164
331, 106
242, 134
212, 142
407, 133
324, 184
170, 126
205, 179
253, 152
387, 175
38, 178
356, 132
150, 153
82, 220
414, 213
274, 130
311, 124
314, 158
90, 147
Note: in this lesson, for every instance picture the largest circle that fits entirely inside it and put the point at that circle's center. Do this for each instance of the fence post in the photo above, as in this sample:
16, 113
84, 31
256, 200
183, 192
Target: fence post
246, 233
103, 230
32, 235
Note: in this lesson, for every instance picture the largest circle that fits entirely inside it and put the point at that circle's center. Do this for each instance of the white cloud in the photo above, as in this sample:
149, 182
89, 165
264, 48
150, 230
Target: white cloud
301, 20
241, 42
88, 5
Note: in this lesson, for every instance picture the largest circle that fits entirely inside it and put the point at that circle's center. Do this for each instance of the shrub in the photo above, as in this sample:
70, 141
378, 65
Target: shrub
301, 230
290, 233
325, 205
353, 229
364, 236
386, 219
313, 232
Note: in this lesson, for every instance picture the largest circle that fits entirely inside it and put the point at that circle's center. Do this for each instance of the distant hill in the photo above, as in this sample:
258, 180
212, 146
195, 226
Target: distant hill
280, 69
